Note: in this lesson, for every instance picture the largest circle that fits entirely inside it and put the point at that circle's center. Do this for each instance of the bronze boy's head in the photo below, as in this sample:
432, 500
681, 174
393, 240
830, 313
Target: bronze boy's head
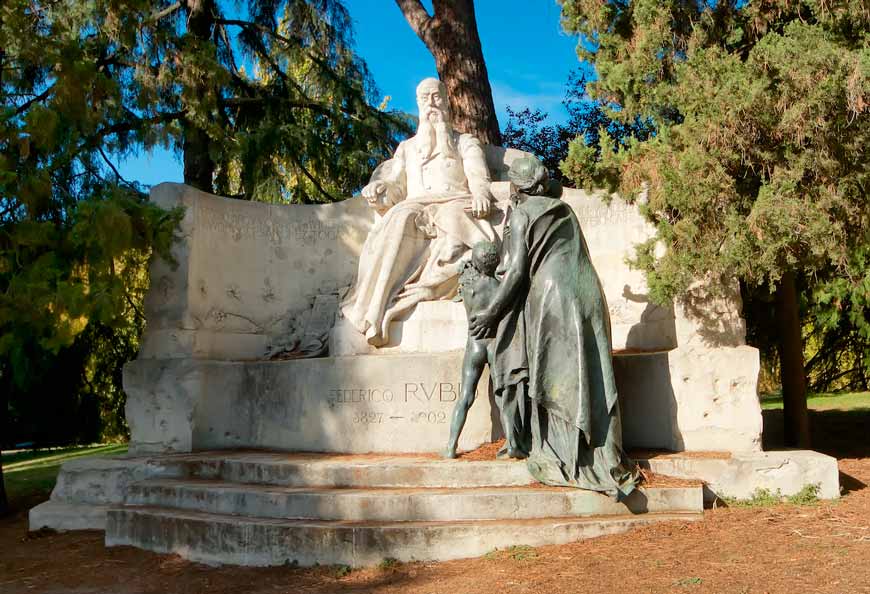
485, 257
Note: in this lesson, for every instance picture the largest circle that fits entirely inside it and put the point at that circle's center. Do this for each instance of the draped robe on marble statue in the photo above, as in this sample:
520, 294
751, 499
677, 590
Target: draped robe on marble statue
414, 251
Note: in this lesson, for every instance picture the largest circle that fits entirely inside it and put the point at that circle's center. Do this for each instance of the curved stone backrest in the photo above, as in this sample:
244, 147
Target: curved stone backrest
248, 273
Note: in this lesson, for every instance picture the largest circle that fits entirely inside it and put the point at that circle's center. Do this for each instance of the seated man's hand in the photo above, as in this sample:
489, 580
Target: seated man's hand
373, 192
480, 206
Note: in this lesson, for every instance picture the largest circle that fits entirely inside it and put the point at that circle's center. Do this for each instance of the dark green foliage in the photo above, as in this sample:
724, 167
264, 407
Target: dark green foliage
273, 93
758, 167
280, 105
75, 239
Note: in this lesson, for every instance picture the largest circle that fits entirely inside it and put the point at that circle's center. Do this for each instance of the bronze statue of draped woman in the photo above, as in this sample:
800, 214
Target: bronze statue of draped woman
553, 342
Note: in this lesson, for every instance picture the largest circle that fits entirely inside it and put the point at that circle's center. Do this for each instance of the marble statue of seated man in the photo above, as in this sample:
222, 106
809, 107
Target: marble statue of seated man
433, 199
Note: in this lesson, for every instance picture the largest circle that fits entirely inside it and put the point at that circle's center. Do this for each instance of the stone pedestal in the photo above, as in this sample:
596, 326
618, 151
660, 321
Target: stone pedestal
431, 327
386, 403
690, 400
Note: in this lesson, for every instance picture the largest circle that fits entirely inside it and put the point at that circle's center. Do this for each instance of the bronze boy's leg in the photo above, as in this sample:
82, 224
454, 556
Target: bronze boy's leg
472, 368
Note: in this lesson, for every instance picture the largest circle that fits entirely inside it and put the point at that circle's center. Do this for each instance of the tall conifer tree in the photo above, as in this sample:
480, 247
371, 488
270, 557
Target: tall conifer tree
268, 104
758, 169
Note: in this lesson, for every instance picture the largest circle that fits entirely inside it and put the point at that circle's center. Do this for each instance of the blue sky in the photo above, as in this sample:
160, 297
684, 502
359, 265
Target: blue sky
527, 54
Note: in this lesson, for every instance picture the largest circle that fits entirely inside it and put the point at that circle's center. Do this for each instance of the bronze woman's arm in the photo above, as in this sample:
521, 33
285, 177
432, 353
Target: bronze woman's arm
516, 272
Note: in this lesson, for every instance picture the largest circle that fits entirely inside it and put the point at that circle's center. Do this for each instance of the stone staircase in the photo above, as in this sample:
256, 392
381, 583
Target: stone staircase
261, 509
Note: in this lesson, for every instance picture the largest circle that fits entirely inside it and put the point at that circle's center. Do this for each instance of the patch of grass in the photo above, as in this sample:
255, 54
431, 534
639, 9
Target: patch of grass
690, 581
340, 571
808, 495
521, 553
824, 401
388, 563
31, 474
759, 498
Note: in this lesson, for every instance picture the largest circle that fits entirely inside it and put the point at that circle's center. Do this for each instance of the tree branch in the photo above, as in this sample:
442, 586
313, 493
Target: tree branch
26, 105
311, 178
419, 19
165, 12
114, 169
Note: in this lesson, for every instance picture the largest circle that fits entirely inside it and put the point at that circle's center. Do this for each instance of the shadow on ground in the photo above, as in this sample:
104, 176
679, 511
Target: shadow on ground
838, 433
844, 434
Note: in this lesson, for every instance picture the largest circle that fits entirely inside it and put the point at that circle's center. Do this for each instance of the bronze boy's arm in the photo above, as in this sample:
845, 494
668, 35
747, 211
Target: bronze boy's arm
516, 272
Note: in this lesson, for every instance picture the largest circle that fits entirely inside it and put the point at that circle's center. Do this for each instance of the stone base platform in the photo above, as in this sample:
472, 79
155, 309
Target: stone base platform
738, 475
255, 508
267, 508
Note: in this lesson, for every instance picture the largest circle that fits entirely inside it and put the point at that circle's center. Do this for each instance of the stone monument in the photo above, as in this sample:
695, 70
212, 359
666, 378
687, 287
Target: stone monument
240, 457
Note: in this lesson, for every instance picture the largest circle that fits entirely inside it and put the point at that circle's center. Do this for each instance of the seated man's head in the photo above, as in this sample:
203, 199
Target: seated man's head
432, 101
485, 257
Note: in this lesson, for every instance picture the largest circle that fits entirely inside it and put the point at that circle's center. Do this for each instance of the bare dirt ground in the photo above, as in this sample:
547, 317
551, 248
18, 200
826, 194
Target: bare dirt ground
785, 548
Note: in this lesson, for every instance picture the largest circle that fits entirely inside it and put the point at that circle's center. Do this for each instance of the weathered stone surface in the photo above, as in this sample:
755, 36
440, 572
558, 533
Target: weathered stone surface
63, 516
106, 480
432, 327
410, 504
741, 474
612, 228
230, 294
690, 399
678, 400
376, 471
239, 540
395, 403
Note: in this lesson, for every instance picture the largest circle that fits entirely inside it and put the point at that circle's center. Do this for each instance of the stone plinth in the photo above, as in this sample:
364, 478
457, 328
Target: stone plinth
389, 403
431, 327
741, 474
690, 400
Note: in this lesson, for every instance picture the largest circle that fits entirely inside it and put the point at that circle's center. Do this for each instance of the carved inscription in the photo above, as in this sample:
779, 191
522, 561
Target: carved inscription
242, 227
594, 213
414, 402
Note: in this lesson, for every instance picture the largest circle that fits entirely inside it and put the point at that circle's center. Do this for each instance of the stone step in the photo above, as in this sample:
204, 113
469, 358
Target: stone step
240, 540
405, 504
62, 516
341, 471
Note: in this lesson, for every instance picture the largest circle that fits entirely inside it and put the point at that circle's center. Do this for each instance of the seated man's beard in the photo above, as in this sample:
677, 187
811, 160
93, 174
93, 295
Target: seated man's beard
432, 139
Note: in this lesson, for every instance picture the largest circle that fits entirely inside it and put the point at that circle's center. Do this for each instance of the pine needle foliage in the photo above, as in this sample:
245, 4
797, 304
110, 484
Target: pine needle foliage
758, 167
287, 114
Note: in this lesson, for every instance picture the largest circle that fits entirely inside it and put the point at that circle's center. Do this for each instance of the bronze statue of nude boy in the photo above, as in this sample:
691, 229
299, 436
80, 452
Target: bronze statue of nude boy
478, 286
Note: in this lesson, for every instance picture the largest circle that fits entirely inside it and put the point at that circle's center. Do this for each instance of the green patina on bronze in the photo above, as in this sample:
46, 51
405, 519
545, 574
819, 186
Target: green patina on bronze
552, 346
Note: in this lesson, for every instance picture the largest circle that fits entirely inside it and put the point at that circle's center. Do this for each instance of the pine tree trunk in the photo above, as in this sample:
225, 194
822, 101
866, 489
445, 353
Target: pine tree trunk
4, 391
451, 36
199, 167
791, 358
4, 501
4, 374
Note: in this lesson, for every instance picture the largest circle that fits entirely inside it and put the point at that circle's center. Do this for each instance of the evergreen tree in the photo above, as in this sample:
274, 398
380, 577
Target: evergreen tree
273, 106
528, 130
73, 234
758, 169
